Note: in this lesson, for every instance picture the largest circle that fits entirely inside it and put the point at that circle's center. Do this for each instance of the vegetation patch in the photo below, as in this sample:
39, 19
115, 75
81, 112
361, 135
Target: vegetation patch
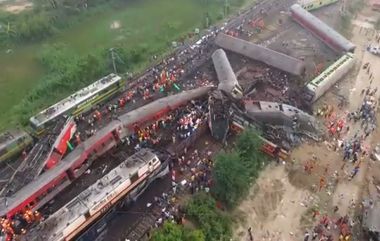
147, 28
236, 171
174, 232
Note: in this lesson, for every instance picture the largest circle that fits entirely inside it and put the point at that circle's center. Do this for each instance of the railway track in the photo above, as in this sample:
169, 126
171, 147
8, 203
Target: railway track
33, 164
140, 230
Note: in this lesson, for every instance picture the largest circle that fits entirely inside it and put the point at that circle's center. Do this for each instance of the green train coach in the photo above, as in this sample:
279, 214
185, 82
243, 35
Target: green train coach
12, 143
310, 5
79, 102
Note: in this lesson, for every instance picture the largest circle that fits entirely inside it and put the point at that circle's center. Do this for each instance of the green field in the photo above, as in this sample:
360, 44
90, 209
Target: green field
151, 23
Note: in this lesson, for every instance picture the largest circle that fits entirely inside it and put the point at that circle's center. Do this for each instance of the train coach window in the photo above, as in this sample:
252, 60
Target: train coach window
134, 177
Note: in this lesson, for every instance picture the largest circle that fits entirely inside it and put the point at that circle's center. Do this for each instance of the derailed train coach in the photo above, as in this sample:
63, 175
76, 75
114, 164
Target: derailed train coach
226, 75
12, 143
43, 189
256, 52
315, 4
125, 182
323, 82
321, 30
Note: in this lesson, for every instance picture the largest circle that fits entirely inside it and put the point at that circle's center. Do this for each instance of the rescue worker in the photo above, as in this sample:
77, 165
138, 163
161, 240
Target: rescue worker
322, 183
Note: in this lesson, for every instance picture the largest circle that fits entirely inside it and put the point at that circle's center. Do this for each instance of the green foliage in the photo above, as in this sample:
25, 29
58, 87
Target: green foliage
231, 178
194, 235
57, 58
174, 232
235, 171
252, 158
214, 223
33, 26
63, 67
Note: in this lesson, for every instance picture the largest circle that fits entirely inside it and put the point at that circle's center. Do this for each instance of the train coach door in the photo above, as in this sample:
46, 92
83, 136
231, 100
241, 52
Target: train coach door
117, 133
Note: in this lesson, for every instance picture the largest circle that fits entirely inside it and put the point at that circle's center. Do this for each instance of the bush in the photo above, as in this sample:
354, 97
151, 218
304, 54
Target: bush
174, 232
215, 225
248, 146
235, 171
231, 179
34, 26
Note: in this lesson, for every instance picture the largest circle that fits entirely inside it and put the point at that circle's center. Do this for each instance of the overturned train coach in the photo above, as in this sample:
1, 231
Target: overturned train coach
226, 75
43, 189
323, 82
329, 36
125, 182
256, 52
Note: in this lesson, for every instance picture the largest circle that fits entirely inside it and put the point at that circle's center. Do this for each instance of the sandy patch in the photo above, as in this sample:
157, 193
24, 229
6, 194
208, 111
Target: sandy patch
115, 25
16, 6
273, 208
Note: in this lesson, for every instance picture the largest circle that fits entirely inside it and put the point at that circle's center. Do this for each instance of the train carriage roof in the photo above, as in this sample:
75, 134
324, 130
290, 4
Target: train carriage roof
343, 43
8, 137
314, 83
56, 227
259, 53
171, 101
74, 100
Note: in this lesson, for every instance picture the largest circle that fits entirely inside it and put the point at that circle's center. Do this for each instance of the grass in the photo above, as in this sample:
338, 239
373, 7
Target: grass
154, 23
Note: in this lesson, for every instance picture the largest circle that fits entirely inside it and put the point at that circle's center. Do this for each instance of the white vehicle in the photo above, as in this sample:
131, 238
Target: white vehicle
374, 50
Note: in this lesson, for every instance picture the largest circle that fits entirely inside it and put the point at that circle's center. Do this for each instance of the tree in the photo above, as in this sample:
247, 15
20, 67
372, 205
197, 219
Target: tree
169, 232
195, 235
231, 178
174, 232
34, 26
248, 146
215, 225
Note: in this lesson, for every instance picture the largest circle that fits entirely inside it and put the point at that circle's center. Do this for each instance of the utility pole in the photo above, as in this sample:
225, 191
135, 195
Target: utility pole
207, 15
113, 60
226, 6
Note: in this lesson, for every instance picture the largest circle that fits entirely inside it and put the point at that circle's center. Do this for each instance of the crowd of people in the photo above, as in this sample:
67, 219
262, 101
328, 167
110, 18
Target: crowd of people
326, 227
190, 174
189, 120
